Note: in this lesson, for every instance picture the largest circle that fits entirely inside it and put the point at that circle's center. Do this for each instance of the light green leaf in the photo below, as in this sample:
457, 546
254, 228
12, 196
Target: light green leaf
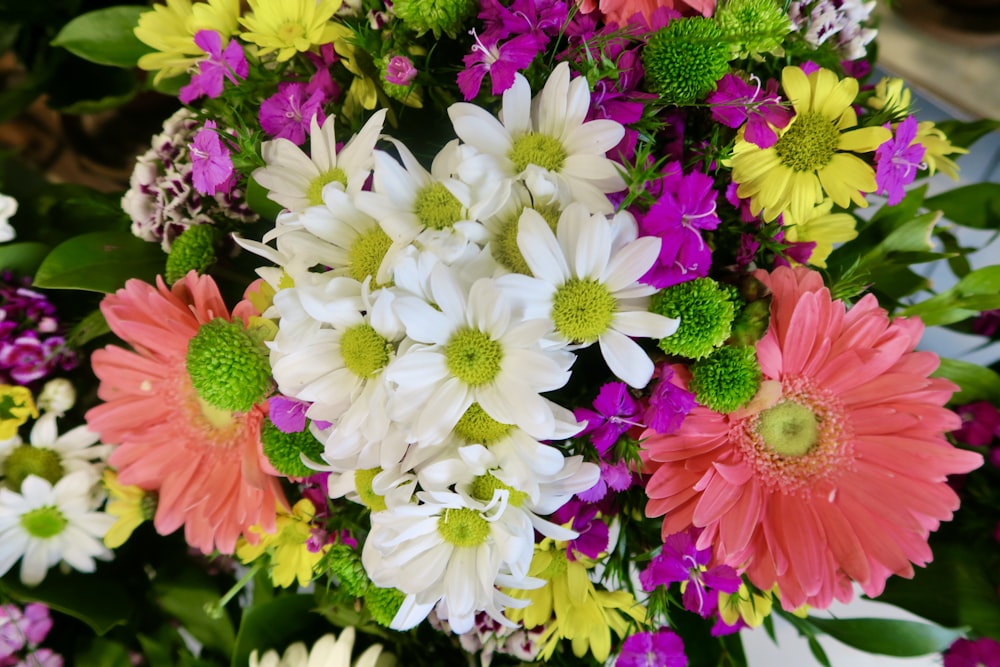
976, 205
185, 598
105, 36
100, 262
903, 639
977, 291
978, 383
965, 133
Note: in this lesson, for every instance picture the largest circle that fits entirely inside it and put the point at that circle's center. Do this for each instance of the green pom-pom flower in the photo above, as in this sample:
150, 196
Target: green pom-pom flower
228, 367
192, 250
753, 26
727, 379
706, 311
26, 460
685, 59
383, 604
285, 450
436, 16
345, 564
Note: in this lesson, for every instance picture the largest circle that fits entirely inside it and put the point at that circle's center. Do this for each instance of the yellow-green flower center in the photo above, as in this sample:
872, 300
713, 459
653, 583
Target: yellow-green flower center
505, 248
44, 522
366, 254
475, 426
290, 32
809, 143
538, 149
228, 367
436, 207
582, 309
473, 357
789, 428
463, 527
314, 193
363, 483
27, 460
365, 351
557, 565
484, 486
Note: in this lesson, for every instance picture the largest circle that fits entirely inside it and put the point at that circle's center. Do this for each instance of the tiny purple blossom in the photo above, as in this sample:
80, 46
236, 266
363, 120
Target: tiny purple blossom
614, 476
652, 649
219, 65
500, 61
681, 561
400, 71
987, 323
592, 532
736, 101
980, 423
898, 160
288, 414
211, 165
668, 404
288, 113
983, 652
614, 413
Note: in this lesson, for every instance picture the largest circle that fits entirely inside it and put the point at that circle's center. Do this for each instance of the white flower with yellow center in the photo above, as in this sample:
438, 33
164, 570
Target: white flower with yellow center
51, 455
471, 349
328, 651
546, 143
296, 180
586, 282
46, 524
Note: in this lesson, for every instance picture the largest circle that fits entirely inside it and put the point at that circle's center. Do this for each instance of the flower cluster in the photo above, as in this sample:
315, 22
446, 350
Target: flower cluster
21, 633
32, 341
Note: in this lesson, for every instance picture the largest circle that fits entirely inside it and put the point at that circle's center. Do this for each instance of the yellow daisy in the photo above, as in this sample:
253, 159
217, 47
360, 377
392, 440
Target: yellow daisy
891, 94
170, 29
823, 227
290, 26
570, 607
291, 558
130, 504
814, 153
16, 405
937, 146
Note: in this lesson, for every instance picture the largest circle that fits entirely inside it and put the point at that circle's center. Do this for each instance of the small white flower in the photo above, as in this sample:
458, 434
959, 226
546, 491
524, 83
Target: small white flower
296, 180
45, 524
328, 651
58, 396
586, 281
76, 450
8, 207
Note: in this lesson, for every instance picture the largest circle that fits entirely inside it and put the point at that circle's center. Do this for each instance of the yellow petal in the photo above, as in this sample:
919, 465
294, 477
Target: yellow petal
864, 139
797, 89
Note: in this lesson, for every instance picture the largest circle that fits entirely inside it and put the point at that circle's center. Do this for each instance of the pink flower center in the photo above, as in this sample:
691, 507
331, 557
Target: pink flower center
801, 440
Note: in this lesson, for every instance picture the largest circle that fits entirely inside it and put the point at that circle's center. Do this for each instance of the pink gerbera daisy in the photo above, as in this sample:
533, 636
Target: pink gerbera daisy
205, 462
836, 471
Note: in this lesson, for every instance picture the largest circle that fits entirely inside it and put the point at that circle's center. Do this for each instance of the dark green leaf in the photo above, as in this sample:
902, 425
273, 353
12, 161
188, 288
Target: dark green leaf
273, 624
817, 650
99, 601
99, 262
976, 205
23, 258
903, 639
83, 87
965, 133
105, 36
103, 653
185, 597
978, 383
92, 326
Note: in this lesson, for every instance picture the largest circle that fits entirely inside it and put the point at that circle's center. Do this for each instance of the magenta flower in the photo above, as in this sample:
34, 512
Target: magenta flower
593, 532
614, 476
288, 113
898, 160
400, 71
681, 561
980, 423
987, 323
288, 414
23, 629
211, 164
663, 649
983, 652
736, 101
229, 64
668, 404
500, 61
614, 413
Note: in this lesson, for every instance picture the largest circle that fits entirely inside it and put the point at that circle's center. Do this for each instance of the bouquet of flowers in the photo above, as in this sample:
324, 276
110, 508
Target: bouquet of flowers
494, 332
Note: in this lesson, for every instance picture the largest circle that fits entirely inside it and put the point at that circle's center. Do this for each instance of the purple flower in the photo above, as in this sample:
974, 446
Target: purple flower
230, 64
593, 532
898, 160
652, 649
288, 113
500, 61
983, 652
668, 404
987, 323
22, 629
736, 101
42, 657
614, 476
288, 414
682, 561
211, 166
980, 423
614, 413
400, 71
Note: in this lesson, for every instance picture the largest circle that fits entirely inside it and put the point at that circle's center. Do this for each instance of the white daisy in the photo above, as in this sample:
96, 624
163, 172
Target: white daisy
328, 651
455, 548
45, 524
296, 180
586, 281
547, 143
51, 455
471, 350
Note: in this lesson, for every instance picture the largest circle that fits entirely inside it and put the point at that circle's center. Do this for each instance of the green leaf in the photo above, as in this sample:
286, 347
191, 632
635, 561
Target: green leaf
23, 258
185, 598
103, 653
99, 601
99, 262
903, 639
93, 325
105, 36
82, 87
965, 133
976, 206
975, 292
273, 624
978, 383
259, 202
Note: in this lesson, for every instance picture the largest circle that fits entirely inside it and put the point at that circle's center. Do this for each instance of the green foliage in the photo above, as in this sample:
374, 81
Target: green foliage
965, 133
98, 600
266, 626
976, 206
99, 262
977, 382
184, 596
975, 292
902, 639
103, 653
23, 258
105, 36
